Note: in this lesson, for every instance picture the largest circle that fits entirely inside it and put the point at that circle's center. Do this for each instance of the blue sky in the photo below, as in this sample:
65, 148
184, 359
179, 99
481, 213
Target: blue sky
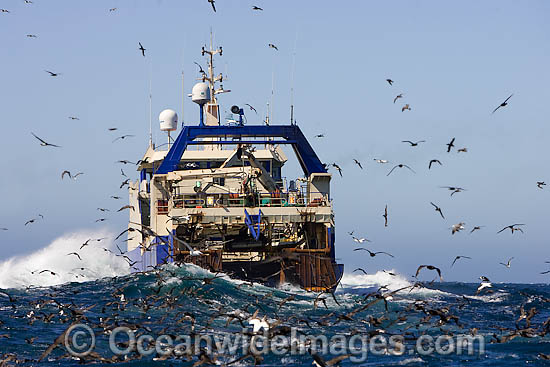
454, 62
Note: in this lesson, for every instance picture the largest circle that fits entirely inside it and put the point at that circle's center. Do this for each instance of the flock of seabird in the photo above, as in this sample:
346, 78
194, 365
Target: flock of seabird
169, 299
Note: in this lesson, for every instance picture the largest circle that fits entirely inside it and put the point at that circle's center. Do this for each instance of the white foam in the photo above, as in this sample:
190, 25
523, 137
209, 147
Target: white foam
390, 282
16, 272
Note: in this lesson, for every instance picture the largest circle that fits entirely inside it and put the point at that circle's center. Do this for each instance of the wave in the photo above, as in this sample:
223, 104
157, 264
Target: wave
24, 270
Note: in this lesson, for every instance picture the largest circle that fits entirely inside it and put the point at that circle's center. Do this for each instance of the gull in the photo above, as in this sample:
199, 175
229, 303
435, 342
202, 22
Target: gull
385, 215
45, 144
28, 2
462, 150
4, 11
201, 70
338, 168
192, 252
429, 267
122, 173
45, 271
400, 165
484, 278
76, 254
508, 263
319, 136
213, 6
540, 184
438, 209
142, 49
73, 118
70, 175
112, 129
126, 207
124, 183
112, 9
413, 144
381, 161
31, 35
254, 7
405, 107
546, 272
460, 257
513, 227
271, 45
360, 240
123, 137
397, 97
251, 108
453, 189
360, 269
3, 229
52, 73
101, 220
476, 228
124, 161
503, 104
85, 243
372, 254
116, 197
457, 227
390, 82
433, 161
357, 163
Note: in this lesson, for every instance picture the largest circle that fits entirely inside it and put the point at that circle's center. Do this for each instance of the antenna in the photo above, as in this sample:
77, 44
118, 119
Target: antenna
182, 84
151, 106
292, 80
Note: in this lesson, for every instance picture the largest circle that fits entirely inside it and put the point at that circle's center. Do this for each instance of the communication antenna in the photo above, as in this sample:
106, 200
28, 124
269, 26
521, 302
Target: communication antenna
292, 81
151, 106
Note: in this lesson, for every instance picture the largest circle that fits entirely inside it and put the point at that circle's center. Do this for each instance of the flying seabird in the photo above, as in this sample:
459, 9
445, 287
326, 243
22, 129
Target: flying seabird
271, 45
413, 144
438, 209
400, 166
503, 104
142, 49
453, 189
360, 240
338, 168
123, 137
476, 228
254, 7
429, 267
405, 107
462, 150
319, 136
52, 73
251, 108
357, 163
45, 144
390, 82
457, 227
381, 161
540, 184
508, 263
385, 215
76, 254
513, 227
397, 97
212, 3
372, 254
450, 145
459, 257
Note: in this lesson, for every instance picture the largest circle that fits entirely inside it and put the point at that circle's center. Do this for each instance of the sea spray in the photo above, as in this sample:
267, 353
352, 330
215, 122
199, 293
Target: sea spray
24, 270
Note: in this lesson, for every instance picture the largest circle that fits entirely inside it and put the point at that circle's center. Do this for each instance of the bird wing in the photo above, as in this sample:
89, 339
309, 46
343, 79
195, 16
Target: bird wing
503, 229
382, 252
65, 173
495, 110
407, 141
506, 100
389, 173
409, 168
38, 138
418, 270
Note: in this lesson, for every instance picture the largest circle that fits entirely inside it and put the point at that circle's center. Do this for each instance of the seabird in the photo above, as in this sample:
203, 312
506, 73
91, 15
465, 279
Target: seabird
251, 108
450, 145
540, 184
372, 254
457, 227
213, 6
44, 143
429, 267
503, 104
513, 227
385, 215
357, 163
254, 7
52, 73
405, 107
390, 82
142, 49
459, 257
508, 264
400, 166
413, 144
397, 97
273, 46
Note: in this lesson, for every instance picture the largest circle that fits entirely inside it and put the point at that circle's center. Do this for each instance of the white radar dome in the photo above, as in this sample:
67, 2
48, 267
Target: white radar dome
168, 120
200, 93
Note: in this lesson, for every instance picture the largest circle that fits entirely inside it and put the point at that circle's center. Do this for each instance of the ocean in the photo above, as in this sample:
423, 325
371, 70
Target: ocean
93, 311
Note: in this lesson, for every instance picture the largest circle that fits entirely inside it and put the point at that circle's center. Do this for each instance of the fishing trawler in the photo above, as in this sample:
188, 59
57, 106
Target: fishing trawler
216, 197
